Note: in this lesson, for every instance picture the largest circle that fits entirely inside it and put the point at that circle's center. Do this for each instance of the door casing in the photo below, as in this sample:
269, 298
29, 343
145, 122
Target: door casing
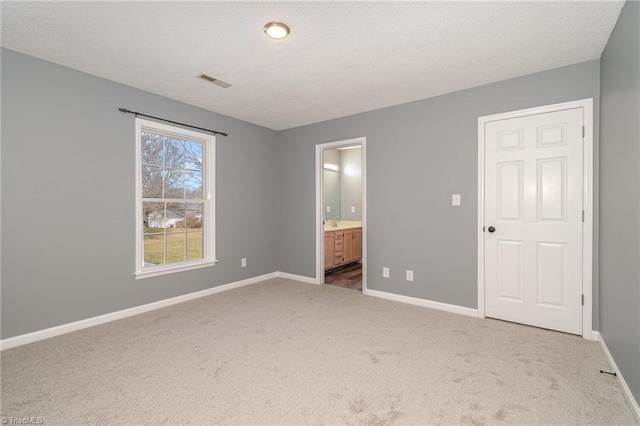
320, 148
587, 188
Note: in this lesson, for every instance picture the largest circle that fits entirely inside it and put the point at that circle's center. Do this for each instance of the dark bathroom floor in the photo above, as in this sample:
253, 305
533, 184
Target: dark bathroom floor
349, 276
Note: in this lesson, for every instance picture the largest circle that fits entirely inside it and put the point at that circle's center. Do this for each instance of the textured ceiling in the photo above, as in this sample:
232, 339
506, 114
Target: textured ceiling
341, 58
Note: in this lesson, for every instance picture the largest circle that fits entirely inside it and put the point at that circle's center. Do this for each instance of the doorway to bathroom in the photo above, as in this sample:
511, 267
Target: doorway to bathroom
341, 213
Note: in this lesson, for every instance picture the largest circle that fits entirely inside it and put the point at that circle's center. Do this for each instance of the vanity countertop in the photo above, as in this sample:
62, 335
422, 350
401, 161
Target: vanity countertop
342, 224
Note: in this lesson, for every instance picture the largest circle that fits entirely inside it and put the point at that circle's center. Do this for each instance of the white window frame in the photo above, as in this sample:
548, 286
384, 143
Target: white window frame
209, 162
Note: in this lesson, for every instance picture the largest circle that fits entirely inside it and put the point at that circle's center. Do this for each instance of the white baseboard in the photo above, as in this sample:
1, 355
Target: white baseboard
35, 336
302, 278
635, 408
423, 302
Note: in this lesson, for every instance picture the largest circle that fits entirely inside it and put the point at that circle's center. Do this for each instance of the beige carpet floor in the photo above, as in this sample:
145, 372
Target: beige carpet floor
284, 352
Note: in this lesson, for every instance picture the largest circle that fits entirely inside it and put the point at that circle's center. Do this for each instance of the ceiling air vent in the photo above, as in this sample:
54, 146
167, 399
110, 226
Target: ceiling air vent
215, 81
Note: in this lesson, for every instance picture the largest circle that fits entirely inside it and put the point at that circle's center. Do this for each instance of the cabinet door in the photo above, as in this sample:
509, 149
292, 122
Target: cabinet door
328, 250
357, 244
348, 246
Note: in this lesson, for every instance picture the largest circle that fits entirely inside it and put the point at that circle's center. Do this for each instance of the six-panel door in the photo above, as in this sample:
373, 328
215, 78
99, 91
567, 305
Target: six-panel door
533, 199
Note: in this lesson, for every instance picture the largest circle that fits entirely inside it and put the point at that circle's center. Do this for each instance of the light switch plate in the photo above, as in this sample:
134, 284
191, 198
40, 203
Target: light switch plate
385, 272
409, 275
455, 200
353, 209
328, 209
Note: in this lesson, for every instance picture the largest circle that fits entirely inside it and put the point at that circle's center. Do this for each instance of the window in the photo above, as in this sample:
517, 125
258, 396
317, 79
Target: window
174, 199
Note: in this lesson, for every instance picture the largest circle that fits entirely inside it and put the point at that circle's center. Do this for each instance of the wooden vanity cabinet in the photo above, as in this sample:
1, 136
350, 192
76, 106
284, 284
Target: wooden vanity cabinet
338, 248
348, 245
342, 247
328, 250
352, 245
356, 243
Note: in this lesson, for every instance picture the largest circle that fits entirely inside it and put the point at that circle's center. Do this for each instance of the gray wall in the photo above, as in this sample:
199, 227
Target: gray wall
620, 195
68, 155
351, 183
418, 154
68, 158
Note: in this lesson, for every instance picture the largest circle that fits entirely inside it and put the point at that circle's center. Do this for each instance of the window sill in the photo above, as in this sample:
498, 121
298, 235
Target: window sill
164, 270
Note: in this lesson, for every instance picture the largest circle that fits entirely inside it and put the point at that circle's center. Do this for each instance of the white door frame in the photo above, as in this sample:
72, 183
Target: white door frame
587, 197
362, 141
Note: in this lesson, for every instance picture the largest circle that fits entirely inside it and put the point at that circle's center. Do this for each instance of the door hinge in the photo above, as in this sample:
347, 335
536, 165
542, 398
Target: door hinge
583, 215
583, 131
583, 300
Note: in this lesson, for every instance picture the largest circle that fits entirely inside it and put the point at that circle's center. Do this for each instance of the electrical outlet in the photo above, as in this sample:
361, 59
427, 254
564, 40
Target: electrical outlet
328, 209
455, 200
385, 272
409, 275
243, 262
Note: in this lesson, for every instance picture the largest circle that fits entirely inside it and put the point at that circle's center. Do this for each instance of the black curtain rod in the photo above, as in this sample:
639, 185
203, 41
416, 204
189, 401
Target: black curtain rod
172, 122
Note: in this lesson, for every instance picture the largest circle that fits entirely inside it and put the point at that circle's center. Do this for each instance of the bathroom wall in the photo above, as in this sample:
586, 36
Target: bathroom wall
331, 185
351, 184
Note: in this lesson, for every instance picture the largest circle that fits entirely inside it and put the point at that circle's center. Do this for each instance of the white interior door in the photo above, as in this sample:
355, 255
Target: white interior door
533, 220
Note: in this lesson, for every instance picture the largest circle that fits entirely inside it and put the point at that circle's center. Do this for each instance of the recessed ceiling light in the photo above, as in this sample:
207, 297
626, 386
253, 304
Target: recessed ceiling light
276, 30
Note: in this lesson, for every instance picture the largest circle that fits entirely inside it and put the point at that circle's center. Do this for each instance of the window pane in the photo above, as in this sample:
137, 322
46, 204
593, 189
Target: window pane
174, 155
193, 156
152, 148
153, 217
153, 249
194, 216
193, 184
175, 247
175, 219
194, 245
173, 183
151, 182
